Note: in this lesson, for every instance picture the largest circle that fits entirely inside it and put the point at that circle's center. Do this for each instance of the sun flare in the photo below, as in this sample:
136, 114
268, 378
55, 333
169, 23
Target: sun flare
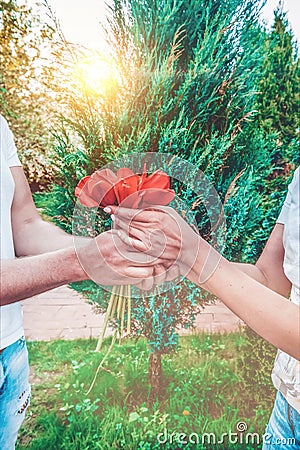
97, 74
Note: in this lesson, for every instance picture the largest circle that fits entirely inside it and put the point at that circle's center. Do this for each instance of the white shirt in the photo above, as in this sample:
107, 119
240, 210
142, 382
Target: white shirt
11, 328
286, 372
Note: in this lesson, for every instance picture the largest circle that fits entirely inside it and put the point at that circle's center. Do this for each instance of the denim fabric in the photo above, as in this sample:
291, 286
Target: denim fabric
14, 392
283, 430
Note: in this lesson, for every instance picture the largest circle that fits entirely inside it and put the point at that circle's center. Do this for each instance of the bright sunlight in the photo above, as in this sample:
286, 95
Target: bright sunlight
97, 74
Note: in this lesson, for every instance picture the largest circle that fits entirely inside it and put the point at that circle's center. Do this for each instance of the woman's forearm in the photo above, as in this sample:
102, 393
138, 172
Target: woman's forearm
269, 314
282, 286
252, 271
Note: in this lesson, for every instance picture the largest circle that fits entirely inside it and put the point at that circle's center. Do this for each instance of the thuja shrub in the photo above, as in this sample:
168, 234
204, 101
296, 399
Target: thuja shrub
188, 74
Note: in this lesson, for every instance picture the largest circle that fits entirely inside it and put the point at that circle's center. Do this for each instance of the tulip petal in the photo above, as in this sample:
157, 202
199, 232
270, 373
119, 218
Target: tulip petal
101, 187
126, 187
103, 192
85, 199
104, 188
154, 196
82, 183
157, 179
106, 175
109, 198
133, 201
124, 172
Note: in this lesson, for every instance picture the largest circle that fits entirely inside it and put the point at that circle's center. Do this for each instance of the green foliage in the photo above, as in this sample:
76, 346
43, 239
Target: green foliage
24, 75
256, 368
278, 98
187, 86
254, 198
58, 200
187, 72
205, 392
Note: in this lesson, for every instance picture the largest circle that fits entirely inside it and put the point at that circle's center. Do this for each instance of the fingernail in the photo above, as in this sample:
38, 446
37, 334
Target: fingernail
107, 209
112, 217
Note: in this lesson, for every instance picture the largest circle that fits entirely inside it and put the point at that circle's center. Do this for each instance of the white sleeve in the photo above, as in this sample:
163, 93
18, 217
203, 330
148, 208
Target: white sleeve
7, 144
287, 202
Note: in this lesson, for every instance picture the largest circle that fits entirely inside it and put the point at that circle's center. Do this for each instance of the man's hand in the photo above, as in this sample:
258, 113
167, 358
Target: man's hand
48, 258
107, 260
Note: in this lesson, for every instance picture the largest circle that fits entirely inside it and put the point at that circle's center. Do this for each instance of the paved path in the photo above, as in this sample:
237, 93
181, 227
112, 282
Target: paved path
63, 314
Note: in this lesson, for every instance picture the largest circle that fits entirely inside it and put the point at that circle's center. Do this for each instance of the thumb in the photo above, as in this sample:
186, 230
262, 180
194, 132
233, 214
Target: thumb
141, 273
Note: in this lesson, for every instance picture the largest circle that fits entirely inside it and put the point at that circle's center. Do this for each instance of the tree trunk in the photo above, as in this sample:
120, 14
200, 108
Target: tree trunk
155, 375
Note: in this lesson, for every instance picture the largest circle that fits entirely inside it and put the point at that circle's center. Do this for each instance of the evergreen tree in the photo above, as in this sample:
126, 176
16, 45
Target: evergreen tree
279, 88
188, 74
25, 74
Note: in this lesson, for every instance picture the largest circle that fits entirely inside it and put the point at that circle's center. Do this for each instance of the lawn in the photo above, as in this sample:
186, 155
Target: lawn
212, 383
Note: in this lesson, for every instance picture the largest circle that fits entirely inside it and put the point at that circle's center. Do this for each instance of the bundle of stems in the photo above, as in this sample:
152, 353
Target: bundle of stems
119, 304
120, 299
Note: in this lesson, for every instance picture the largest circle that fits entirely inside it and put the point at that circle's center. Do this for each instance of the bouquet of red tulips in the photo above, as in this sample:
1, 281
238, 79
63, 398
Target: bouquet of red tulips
104, 188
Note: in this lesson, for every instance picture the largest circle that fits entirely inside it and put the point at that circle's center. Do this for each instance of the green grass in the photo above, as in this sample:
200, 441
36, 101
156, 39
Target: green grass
207, 388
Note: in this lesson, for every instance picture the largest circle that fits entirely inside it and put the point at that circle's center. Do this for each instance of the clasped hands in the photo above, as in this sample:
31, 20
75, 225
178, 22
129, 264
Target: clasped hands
148, 247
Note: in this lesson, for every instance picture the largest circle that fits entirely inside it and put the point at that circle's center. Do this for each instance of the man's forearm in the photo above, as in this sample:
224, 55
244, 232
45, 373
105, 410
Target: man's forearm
24, 277
38, 237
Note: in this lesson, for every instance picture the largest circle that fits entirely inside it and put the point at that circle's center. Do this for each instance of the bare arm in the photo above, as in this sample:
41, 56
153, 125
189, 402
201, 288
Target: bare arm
32, 235
268, 313
268, 270
55, 262
250, 293
47, 257
24, 277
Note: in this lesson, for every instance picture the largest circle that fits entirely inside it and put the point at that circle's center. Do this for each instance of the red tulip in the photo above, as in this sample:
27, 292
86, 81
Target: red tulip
81, 193
157, 179
101, 187
127, 185
105, 188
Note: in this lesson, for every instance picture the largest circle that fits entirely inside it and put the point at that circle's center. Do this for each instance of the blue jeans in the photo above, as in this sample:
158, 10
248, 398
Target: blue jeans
14, 392
283, 430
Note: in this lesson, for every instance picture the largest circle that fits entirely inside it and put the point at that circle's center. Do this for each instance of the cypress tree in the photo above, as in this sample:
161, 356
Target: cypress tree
188, 77
279, 93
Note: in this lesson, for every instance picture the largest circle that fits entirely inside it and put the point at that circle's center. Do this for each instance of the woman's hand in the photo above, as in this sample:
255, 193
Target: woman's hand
160, 232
